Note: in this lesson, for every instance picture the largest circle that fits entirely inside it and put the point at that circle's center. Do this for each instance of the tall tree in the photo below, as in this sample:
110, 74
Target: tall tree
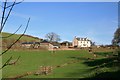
52, 37
116, 39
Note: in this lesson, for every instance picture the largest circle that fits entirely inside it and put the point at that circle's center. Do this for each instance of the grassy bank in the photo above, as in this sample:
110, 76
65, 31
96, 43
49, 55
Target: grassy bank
31, 60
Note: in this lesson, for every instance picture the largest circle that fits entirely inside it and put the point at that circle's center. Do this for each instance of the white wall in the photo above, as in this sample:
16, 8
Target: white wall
84, 44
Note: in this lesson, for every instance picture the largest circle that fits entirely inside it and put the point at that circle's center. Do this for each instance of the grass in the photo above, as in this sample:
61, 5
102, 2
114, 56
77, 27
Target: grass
15, 36
104, 53
32, 60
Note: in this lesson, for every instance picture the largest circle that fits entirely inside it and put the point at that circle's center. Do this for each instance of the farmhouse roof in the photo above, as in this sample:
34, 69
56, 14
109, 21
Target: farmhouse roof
82, 39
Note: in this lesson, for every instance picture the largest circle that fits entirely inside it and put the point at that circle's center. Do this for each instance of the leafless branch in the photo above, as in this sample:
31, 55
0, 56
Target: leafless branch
4, 19
14, 4
17, 39
1, 27
12, 33
11, 5
6, 62
3, 23
11, 62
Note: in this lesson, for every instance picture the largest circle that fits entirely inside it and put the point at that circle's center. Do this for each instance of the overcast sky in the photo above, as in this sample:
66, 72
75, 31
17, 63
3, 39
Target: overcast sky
95, 20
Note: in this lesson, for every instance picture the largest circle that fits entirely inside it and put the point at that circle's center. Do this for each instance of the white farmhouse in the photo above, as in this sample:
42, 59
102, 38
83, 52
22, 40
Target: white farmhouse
81, 42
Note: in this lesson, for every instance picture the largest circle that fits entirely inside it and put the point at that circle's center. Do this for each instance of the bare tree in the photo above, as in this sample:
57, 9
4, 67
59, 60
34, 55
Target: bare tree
52, 37
7, 9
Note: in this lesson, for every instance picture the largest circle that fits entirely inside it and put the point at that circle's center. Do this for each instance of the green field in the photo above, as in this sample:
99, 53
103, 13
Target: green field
31, 60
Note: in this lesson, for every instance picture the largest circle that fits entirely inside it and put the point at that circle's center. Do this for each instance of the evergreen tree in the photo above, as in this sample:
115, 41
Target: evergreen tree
116, 39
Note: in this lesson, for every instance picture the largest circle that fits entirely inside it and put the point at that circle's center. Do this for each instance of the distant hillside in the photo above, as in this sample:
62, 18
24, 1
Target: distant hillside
27, 38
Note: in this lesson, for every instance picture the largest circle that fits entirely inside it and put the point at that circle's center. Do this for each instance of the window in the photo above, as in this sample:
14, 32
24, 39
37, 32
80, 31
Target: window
84, 44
